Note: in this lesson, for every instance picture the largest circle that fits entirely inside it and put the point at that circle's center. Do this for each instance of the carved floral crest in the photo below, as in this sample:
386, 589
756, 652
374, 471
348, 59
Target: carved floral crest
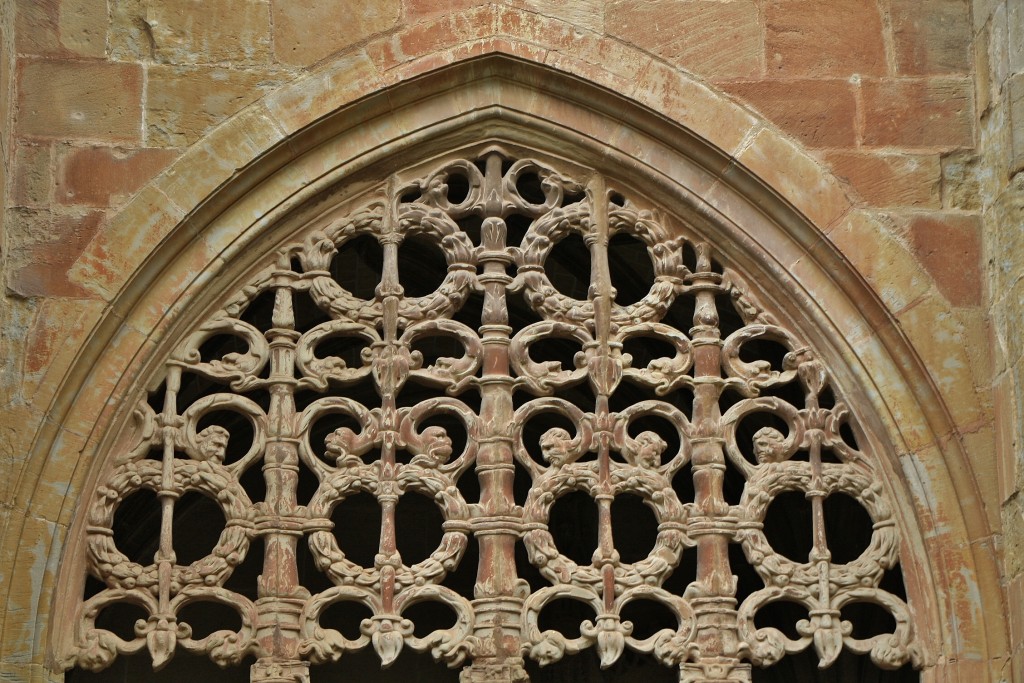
773, 421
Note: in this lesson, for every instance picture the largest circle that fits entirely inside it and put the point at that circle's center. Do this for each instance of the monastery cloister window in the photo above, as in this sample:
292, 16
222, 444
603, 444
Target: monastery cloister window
503, 412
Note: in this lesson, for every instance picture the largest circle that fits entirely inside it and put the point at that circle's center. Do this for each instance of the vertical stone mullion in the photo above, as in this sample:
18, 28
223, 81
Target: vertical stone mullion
496, 604
714, 594
281, 596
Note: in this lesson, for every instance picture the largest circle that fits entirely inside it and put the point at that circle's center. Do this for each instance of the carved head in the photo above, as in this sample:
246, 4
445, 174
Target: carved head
340, 444
768, 445
648, 450
438, 446
213, 443
554, 446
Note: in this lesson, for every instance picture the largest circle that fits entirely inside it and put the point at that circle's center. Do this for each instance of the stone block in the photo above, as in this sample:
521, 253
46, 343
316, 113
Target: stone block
1013, 535
978, 338
306, 32
105, 176
206, 166
587, 14
79, 100
1015, 35
802, 39
1010, 459
937, 335
796, 176
980, 448
890, 180
1015, 101
184, 103
318, 94
873, 249
446, 31
16, 319
695, 105
59, 330
982, 64
692, 34
109, 260
931, 36
819, 113
949, 247
191, 31
999, 48
50, 244
1006, 247
33, 175
935, 113
415, 10
961, 181
61, 28
569, 47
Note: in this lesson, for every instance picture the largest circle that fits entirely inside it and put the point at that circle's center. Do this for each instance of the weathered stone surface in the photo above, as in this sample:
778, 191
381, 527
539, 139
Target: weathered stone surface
820, 113
949, 247
872, 245
913, 113
796, 177
691, 34
106, 263
573, 49
306, 32
961, 181
1015, 97
587, 14
884, 179
931, 36
190, 31
56, 335
801, 39
105, 176
695, 105
415, 10
48, 245
183, 103
85, 100
33, 175
61, 28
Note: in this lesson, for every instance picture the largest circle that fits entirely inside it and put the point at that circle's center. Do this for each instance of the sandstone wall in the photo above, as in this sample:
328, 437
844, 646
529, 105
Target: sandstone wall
999, 50
909, 103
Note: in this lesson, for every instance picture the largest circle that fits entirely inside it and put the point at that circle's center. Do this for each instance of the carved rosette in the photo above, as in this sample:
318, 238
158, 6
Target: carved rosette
246, 395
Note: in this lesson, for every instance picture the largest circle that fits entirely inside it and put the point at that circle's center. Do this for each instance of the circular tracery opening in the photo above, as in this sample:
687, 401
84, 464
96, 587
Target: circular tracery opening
442, 412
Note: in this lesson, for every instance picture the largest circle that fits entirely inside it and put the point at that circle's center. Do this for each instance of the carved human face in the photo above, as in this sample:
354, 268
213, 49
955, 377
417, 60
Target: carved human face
768, 443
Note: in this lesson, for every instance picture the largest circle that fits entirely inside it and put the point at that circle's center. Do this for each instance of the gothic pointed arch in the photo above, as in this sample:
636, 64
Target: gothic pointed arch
713, 231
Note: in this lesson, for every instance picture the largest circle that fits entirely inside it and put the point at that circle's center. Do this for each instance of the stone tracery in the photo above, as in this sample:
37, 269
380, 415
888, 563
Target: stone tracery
392, 451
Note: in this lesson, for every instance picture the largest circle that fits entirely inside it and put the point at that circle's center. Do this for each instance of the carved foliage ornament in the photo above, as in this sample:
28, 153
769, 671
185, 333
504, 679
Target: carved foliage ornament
493, 386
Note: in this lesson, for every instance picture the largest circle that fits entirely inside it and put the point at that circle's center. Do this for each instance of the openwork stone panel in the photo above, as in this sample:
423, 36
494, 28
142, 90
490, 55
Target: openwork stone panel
573, 345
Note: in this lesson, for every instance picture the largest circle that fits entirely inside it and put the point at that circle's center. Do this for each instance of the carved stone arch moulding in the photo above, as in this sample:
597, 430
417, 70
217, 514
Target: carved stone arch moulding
493, 164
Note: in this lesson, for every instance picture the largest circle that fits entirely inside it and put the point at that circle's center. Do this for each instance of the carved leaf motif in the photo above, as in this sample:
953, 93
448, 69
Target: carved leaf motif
321, 381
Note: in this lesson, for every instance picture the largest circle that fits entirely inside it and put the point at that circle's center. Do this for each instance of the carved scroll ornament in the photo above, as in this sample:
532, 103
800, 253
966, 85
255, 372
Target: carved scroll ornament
495, 385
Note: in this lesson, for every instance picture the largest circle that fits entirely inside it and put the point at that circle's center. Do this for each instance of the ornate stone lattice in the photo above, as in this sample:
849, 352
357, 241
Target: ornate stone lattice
497, 222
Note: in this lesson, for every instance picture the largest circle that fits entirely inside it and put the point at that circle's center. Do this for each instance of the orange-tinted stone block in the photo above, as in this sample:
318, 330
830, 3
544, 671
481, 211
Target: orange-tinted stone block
911, 113
102, 176
692, 35
820, 113
44, 265
61, 28
949, 247
896, 180
805, 38
306, 32
83, 100
931, 36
